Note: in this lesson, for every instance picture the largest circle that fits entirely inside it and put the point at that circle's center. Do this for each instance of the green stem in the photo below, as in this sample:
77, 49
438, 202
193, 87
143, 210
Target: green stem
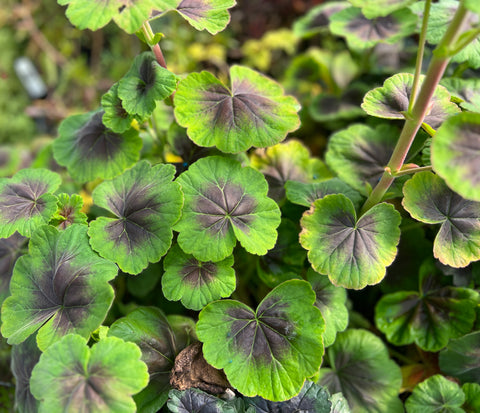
157, 51
420, 108
413, 170
421, 49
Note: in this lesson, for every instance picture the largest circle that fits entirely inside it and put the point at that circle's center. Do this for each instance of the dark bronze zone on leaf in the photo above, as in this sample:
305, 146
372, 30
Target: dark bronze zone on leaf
195, 272
147, 75
467, 145
194, 9
377, 29
22, 200
221, 206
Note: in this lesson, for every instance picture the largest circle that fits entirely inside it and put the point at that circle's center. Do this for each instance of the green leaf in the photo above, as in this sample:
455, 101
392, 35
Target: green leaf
305, 194
455, 154
362, 33
145, 83
129, 15
60, 287
211, 15
24, 358
328, 107
361, 369
372, 9
72, 377
436, 394
150, 329
472, 397
331, 301
466, 92
89, 150
194, 282
253, 112
317, 19
285, 161
311, 399
116, 118
26, 201
391, 101
429, 200
352, 252
430, 317
195, 400
146, 203
359, 155
225, 203
268, 352
69, 211
472, 5
461, 358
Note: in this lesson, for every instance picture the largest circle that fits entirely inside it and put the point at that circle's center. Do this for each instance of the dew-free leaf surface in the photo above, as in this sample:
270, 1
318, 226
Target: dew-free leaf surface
210, 15
26, 201
90, 150
428, 199
353, 252
379, 8
146, 204
195, 400
225, 203
115, 117
252, 111
194, 282
362, 371
69, 211
59, 287
268, 352
71, 377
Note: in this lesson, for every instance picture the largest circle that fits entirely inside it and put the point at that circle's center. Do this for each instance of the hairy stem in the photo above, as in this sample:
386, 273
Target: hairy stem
421, 107
157, 51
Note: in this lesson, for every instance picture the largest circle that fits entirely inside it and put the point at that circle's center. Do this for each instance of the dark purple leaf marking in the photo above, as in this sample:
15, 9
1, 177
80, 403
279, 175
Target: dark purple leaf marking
370, 159
376, 29
10, 250
265, 336
195, 272
146, 75
194, 400
21, 200
466, 147
219, 207
194, 9
95, 140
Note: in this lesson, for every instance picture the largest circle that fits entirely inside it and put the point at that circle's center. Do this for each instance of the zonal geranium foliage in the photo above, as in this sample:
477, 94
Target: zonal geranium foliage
455, 154
26, 201
268, 352
90, 150
225, 203
69, 211
195, 400
428, 199
429, 317
146, 204
253, 111
72, 377
376, 8
362, 371
59, 287
115, 116
194, 282
353, 252
391, 101
150, 330
145, 83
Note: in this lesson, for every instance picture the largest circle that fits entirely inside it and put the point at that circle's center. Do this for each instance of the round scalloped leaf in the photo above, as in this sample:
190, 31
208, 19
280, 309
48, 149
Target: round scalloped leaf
60, 287
455, 154
428, 199
69, 211
89, 150
430, 317
71, 377
146, 204
115, 117
269, 352
194, 282
326, 107
305, 194
472, 397
377, 8
145, 83
317, 19
225, 203
391, 101
466, 92
24, 358
436, 394
331, 302
362, 33
359, 154
148, 328
311, 399
26, 201
353, 252
210, 15
285, 161
461, 358
93, 15
194, 400
360, 368
253, 112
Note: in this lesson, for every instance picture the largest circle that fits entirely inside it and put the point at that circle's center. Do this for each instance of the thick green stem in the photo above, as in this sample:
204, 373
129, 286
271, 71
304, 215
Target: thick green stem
157, 51
421, 107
